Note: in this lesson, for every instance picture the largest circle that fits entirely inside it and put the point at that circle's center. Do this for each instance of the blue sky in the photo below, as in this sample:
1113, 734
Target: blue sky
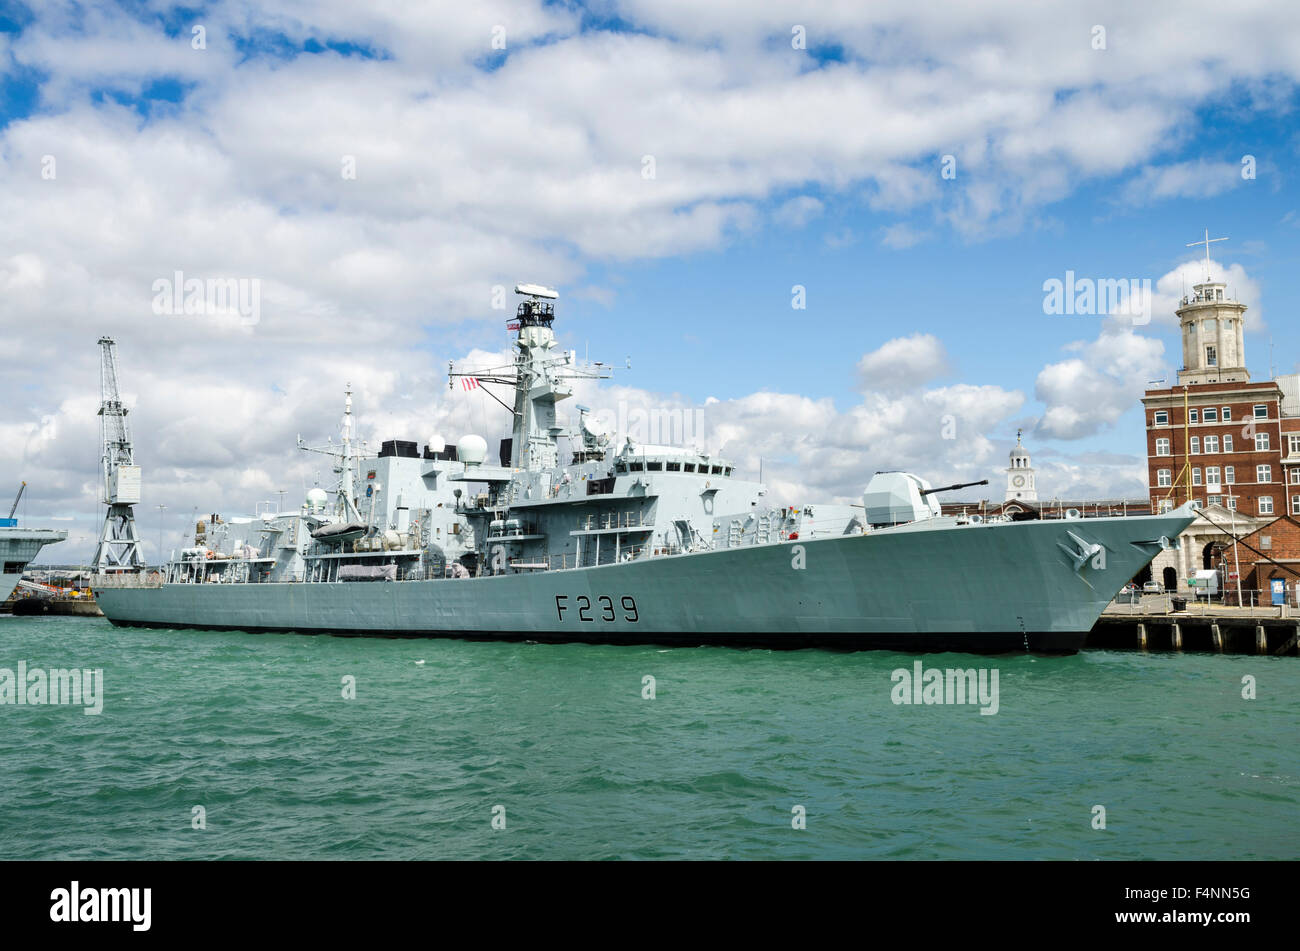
774, 166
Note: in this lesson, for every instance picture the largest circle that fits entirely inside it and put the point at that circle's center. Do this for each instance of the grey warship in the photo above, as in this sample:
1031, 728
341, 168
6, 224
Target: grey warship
625, 542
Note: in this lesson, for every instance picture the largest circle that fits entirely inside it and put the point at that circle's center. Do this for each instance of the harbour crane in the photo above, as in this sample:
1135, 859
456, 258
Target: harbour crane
119, 544
14, 508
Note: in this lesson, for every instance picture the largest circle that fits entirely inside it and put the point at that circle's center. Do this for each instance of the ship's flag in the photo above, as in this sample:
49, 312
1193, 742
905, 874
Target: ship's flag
469, 382
513, 326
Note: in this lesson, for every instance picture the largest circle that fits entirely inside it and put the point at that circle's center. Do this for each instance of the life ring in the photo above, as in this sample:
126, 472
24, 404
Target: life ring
208, 554
794, 536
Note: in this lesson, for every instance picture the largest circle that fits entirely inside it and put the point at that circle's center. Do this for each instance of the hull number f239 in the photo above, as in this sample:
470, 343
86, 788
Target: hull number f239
603, 609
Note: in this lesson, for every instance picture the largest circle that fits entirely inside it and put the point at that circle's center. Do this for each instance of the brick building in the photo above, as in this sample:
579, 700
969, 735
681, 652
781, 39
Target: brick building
1218, 437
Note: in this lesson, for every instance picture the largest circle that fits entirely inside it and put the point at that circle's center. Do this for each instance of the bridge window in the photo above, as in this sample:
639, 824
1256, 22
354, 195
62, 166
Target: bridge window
690, 467
674, 467
636, 467
717, 470
655, 466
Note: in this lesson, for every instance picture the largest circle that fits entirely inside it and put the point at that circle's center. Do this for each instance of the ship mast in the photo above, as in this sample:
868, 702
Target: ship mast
344, 456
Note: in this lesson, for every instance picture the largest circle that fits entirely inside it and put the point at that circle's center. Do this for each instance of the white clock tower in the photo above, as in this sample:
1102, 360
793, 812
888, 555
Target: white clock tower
1020, 475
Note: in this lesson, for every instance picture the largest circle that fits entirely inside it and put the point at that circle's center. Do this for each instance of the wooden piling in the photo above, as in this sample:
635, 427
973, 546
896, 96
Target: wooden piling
1176, 636
1142, 637
1261, 640
1216, 637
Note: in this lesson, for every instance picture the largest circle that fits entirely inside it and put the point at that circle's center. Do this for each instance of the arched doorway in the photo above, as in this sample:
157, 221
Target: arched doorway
1171, 579
1143, 576
1210, 555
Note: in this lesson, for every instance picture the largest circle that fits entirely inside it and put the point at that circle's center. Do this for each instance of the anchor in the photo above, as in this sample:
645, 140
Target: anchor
1083, 552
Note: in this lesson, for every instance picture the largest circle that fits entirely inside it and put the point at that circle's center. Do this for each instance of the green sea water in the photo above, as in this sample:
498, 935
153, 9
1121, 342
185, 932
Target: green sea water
562, 743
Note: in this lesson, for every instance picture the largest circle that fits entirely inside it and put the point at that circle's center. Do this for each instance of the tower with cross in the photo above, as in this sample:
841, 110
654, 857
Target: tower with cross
1212, 325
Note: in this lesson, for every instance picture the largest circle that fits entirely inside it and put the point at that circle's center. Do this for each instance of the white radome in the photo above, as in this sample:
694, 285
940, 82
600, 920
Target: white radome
472, 450
435, 443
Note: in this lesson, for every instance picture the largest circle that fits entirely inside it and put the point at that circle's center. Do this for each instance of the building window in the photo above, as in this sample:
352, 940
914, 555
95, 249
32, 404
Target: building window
1211, 443
1210, 414
1263, 473
1227, 414
1196, 475
1266, 505
1196, 445
1261, 442
1229, 475
1211, 357
1194, 416
1261, 411
1212, 475
1295, 505
1165, 505
1214, 499
1227, 443
1293, 443
1164, 478
1232, 503
1162, 447
1295, 476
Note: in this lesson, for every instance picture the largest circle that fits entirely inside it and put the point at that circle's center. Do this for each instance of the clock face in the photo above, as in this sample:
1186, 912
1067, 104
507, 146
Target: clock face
1018, 481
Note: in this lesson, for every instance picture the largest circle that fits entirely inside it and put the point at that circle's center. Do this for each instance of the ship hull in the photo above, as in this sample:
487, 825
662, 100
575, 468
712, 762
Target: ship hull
978, 588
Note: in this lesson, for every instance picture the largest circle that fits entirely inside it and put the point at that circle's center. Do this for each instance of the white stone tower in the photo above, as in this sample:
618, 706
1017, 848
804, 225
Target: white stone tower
1020, 475
1212, 324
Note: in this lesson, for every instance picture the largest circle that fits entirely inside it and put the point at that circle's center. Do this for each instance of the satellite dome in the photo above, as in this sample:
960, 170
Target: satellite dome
435, 443
472, 450
316, 498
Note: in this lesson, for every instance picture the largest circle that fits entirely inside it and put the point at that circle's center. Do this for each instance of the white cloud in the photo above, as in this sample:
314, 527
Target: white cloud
901, 236
1201, 178
902, 363
1174, 285
1089, 392
798, 211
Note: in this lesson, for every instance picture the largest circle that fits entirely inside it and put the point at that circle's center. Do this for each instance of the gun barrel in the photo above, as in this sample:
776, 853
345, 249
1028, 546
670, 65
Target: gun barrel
950, 488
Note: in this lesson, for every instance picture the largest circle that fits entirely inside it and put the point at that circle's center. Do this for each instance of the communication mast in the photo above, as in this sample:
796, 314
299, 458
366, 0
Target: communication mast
119, 545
